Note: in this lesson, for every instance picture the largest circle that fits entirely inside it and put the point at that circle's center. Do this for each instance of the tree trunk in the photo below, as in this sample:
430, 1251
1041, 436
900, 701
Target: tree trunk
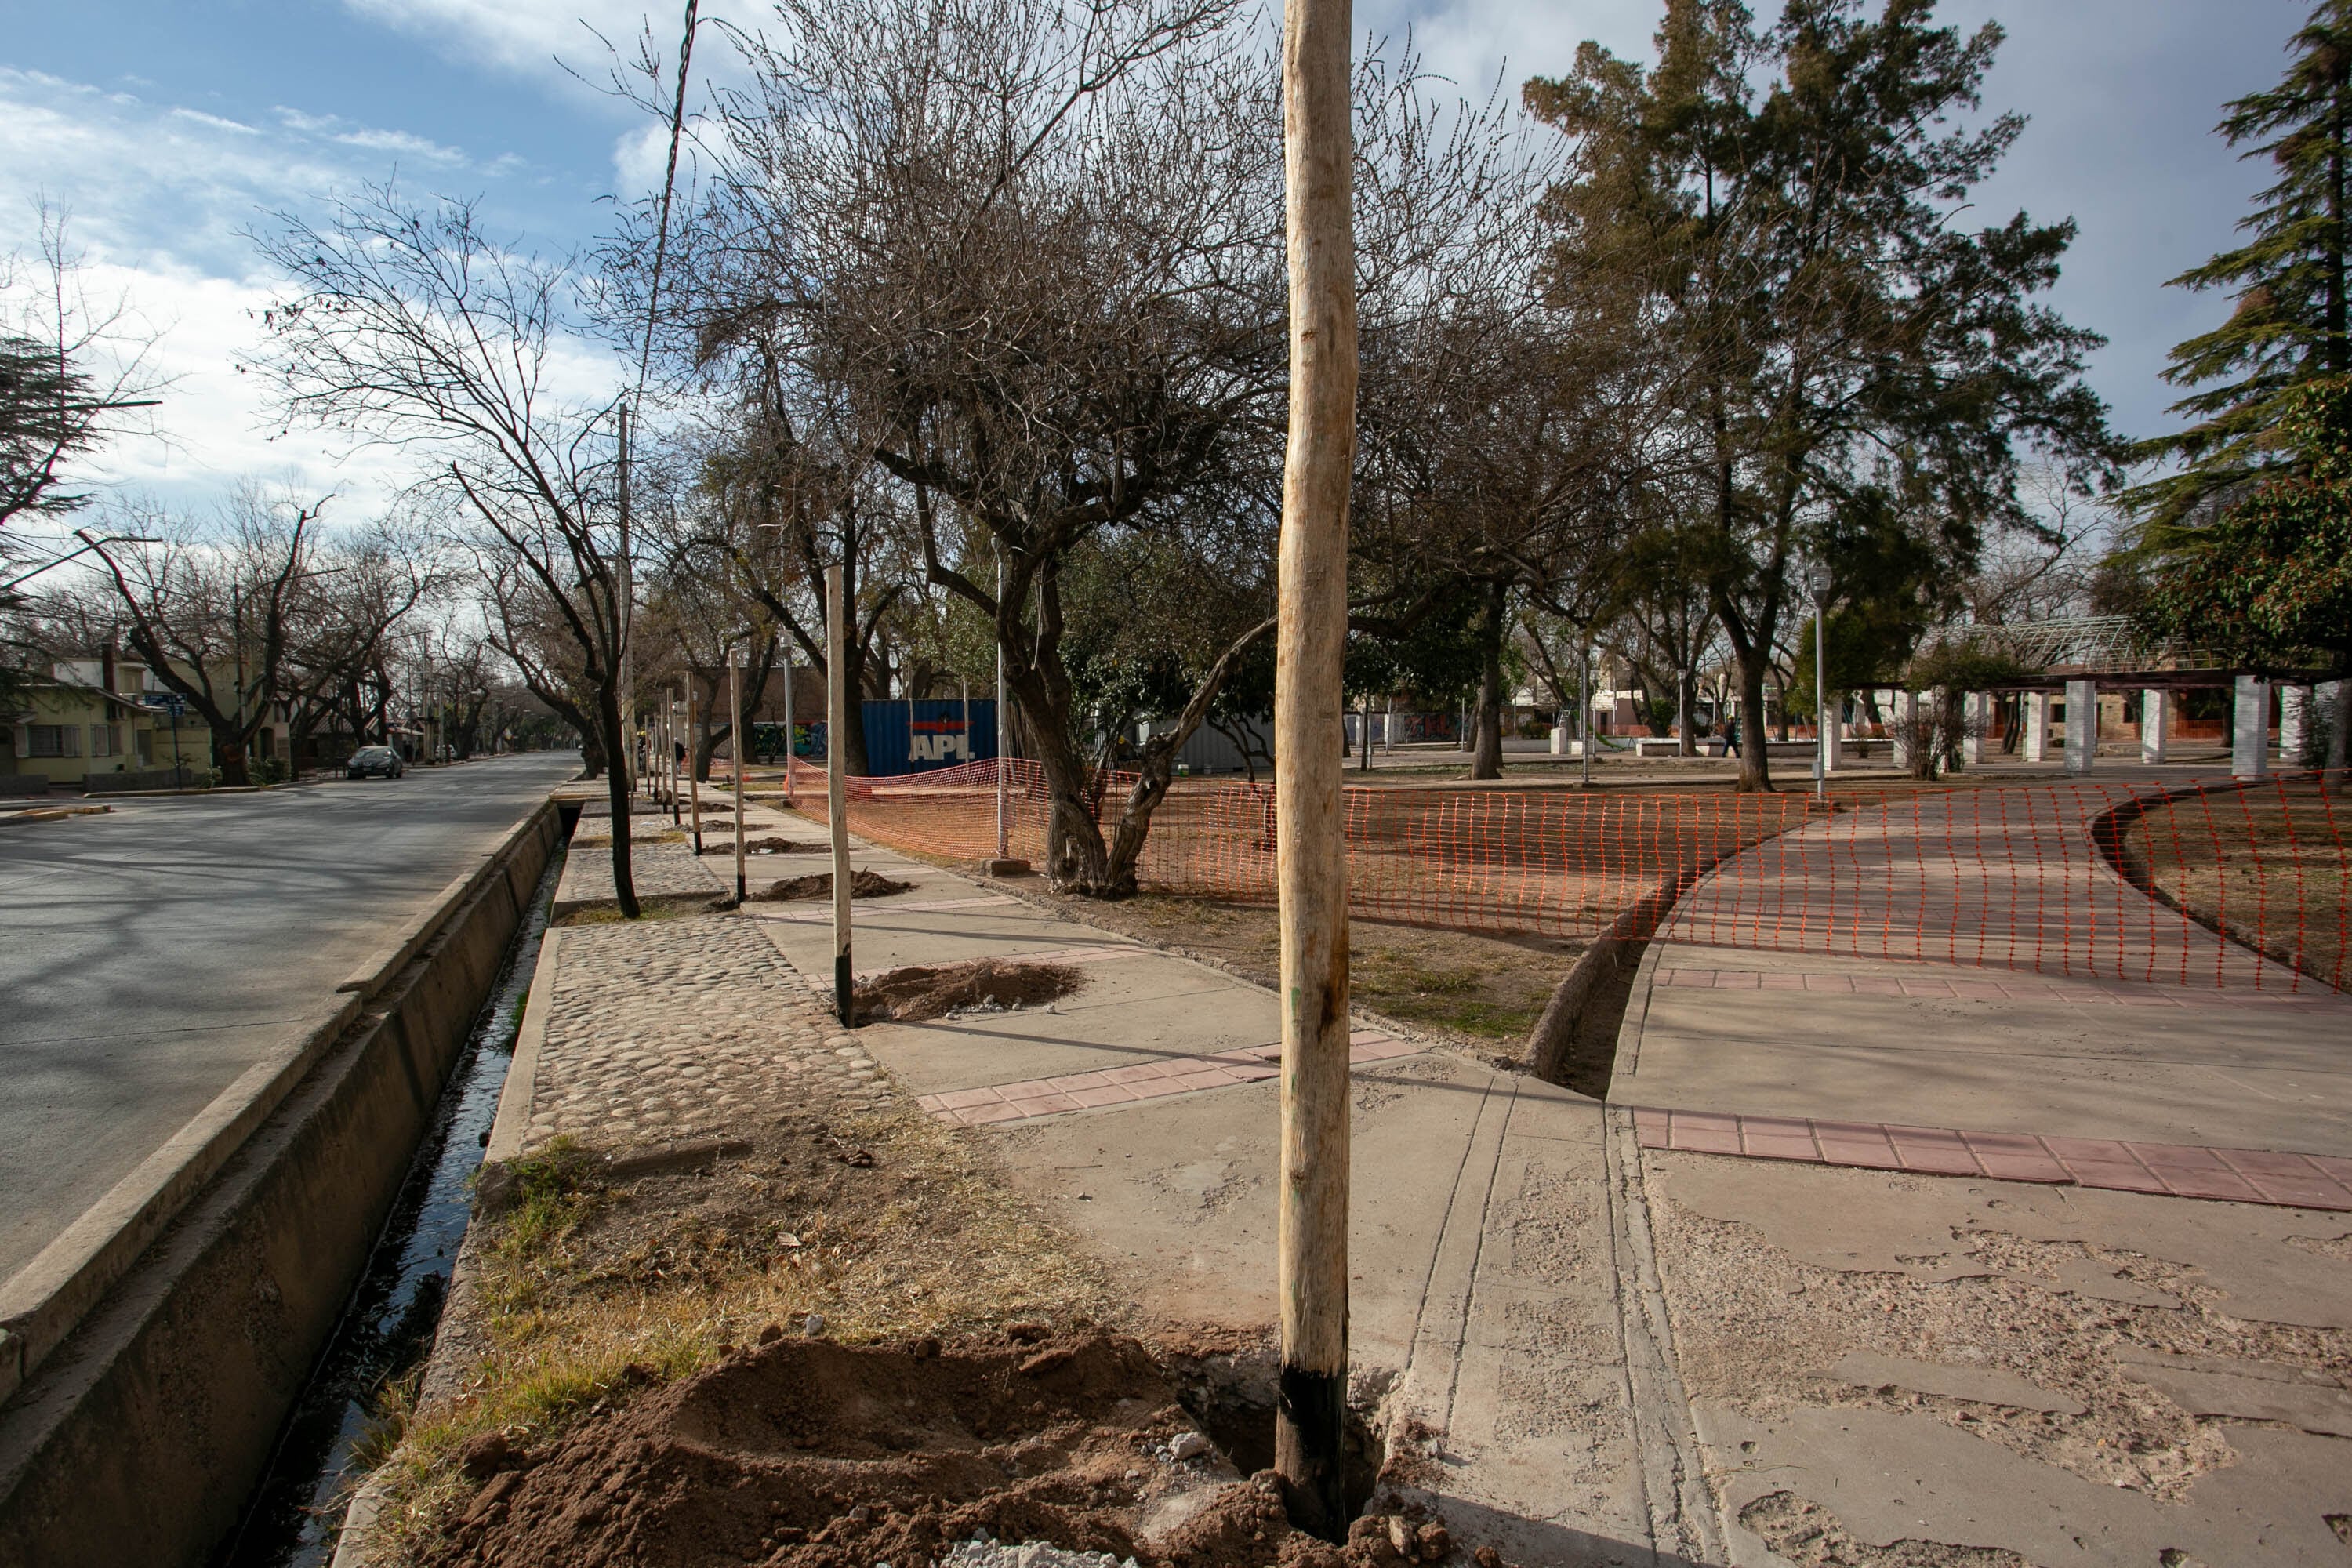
616, 797
1685, 705
1755, 749
1486, 751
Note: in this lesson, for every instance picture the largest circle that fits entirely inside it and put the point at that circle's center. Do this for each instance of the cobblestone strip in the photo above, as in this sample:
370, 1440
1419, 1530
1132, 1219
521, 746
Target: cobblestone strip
660, 870
679, 1028
2176, 1170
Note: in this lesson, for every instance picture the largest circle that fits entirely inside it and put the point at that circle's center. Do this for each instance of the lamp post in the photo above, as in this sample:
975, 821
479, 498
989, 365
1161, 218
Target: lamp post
1818, 579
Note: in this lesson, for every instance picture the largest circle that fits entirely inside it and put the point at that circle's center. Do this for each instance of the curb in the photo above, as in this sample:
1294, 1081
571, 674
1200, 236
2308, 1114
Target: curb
53, 814
513, 1118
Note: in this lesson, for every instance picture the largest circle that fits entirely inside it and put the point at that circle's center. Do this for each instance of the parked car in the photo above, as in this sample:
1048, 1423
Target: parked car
379, 761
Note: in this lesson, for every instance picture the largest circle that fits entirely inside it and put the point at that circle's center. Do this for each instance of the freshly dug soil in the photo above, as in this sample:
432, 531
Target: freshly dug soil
862, 885
804, 1454
910, 995
772, 847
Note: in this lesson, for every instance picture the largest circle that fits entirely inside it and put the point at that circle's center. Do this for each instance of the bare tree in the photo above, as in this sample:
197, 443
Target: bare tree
412, 327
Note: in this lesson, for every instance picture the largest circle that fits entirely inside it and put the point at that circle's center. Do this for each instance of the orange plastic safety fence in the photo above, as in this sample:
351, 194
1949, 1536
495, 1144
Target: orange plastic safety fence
2229, 883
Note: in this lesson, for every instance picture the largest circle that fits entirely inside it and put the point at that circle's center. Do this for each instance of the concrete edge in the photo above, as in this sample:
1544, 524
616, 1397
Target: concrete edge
373, 975
53, 814
1636, 1018
513, 1118
1686, 1510
42, 1302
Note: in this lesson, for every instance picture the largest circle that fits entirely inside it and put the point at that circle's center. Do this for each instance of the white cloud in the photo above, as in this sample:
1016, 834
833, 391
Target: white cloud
157, 197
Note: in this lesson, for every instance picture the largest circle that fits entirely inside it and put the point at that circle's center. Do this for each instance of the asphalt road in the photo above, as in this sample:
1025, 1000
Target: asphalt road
149, 955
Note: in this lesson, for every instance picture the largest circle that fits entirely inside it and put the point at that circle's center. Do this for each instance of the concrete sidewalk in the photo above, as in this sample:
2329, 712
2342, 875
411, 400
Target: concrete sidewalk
1948, 1252
1488, 1257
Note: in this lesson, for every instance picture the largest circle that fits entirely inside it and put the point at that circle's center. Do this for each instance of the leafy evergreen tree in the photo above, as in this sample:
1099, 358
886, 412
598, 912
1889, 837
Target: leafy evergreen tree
2270, 581
1780, 205
2289, 279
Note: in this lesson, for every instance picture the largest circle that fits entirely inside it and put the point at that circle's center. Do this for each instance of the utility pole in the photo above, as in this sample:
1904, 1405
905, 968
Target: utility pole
627, 615
837, 788
735, 744
1311, 858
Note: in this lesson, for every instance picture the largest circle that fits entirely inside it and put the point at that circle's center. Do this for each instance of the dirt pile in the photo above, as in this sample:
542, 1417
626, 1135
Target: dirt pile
800, 1453
989, 985
862, 885
771, 846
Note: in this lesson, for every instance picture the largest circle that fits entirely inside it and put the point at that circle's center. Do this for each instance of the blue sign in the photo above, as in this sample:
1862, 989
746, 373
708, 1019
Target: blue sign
935, 732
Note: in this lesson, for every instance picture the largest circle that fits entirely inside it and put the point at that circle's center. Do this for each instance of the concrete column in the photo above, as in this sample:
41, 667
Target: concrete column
2250, 729
1907, 713
2037, 726
1825, 723
1562, 746
1976, 713
2082, 725
2295, 724
2155, 723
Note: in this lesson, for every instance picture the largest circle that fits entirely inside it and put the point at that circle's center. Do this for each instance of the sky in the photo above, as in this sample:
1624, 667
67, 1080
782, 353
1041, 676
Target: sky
165, 127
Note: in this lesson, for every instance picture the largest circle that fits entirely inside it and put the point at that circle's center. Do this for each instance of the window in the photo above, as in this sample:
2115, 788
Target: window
105, 740
145, 739
52, 741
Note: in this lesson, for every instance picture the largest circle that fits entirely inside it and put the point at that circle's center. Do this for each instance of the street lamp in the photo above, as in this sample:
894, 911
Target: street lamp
1817, 578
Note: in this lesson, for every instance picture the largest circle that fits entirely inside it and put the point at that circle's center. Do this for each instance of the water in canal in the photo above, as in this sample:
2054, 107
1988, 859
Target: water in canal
291, 1519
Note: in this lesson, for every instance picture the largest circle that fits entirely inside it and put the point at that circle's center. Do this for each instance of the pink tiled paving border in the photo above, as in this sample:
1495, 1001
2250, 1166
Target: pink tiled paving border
2177, 1170
1143, 1080
1920, 981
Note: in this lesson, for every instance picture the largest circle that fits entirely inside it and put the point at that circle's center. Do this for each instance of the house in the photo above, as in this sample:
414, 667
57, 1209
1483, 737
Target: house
108, 723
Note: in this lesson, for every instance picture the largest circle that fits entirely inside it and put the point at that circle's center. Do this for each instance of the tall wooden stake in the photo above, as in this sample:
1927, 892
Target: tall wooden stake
693, 785
1311, 864
837, 786
1003, 781
735, 743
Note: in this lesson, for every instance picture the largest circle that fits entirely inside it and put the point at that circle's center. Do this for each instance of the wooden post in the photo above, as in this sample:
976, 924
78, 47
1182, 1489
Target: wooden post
670, 756
1311, 864
1003, 750
735, 745
836, 787
693, 785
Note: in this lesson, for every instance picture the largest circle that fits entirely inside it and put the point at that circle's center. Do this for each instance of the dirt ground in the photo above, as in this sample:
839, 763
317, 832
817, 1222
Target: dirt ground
590, 1290
769, 845
863, 884
837, 1344
922, 991
2269, 866
1481, 990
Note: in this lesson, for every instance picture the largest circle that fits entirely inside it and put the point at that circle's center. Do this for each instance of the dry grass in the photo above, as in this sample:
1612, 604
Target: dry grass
889, 1225
2268, 865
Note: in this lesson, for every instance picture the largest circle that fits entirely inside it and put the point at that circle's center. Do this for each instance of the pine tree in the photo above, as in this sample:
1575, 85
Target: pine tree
2289, 279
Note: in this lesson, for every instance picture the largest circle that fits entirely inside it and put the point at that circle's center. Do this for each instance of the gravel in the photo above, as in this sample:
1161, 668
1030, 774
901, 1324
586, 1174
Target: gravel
1028, 1554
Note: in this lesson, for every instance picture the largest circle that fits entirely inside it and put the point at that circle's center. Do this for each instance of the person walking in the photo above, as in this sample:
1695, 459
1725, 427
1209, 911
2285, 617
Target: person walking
1731, 737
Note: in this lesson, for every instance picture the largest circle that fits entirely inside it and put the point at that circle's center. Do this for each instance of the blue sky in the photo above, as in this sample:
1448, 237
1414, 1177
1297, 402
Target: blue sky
166, 125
